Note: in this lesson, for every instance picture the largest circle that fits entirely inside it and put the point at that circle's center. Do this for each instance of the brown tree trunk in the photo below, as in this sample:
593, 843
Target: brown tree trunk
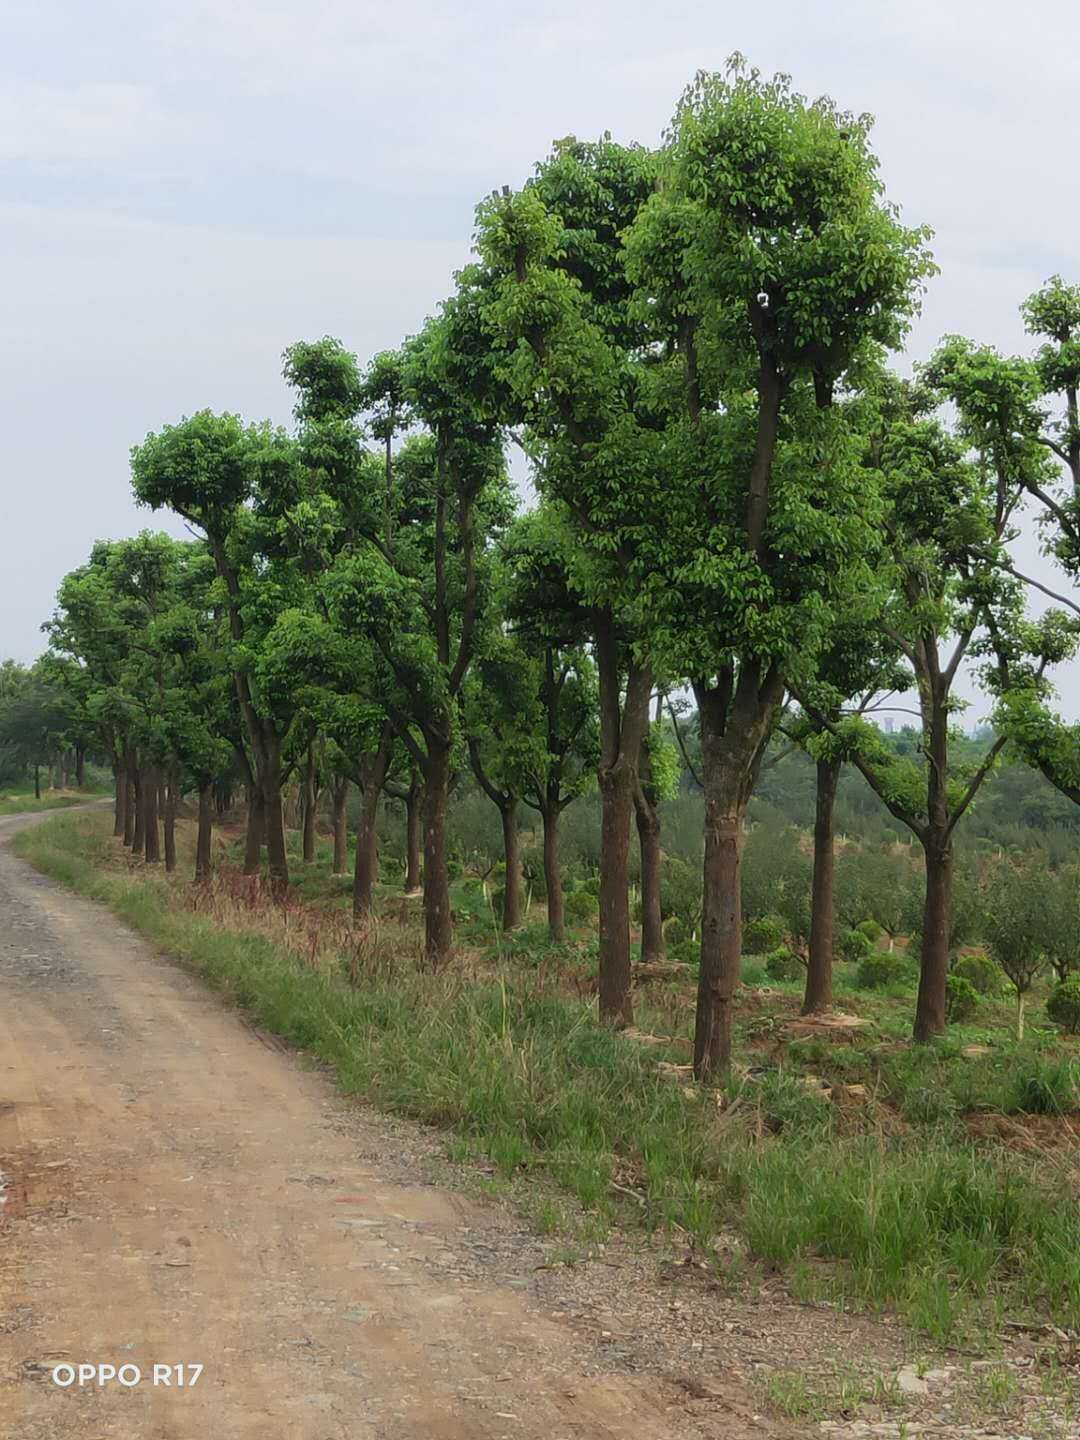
721, 930
253, 839
511, 912
937, 916
120, 808
438, 921
413, 808
373, 775
310, 799
277, 859
151, 835
80, 767
736, 717
170, 825
365, 872
203, 854
648, 828
341, 825
622, 730
818, 994
553, 873
37, 782
138, 808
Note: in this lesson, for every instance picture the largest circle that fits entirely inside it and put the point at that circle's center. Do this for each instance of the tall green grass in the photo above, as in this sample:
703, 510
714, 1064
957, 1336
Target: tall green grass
946, 1233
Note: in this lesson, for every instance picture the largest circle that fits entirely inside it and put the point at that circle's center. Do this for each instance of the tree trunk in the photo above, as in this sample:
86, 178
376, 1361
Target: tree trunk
120, 808
37, 782
818, 994
203, 854
367, 852
648, 828
511, 912
138, 807
80, 767
413, 807
372, 776
623, 725
553, 873
253, 840
277, 859
341, 825
151, 836
736, 717
937, 916
616, 807
310, 800
1020, 996
438, 921
721, 929
170, 825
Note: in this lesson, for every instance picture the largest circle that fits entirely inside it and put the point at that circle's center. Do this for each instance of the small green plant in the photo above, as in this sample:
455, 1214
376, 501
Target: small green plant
1063, 1006
979, 971
854, 946
763, 935
781, 964
871, 929
580, 906
882, 968
1042, 1087
962, 1000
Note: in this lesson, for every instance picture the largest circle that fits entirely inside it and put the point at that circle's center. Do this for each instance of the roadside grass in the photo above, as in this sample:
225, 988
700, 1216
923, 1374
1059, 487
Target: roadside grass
19, 802
887, 1203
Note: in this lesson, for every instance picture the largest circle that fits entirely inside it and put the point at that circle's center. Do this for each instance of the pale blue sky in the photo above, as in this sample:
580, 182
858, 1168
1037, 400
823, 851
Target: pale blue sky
187, 186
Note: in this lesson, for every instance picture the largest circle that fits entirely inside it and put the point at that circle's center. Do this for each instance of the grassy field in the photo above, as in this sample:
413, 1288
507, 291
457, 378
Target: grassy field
20, 802
938, 1182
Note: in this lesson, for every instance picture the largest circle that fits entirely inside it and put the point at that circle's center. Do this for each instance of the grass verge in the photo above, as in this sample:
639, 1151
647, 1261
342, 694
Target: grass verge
950, 1233
16, 804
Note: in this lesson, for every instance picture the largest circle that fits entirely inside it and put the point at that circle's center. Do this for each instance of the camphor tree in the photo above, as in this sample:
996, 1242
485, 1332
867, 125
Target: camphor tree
1014, 924
422, 604
857, 665
209, 469
574, 356
501, 718
551, 623
767, 262
949, 496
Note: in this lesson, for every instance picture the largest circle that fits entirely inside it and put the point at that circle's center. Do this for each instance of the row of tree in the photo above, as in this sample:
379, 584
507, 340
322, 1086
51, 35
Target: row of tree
738, 501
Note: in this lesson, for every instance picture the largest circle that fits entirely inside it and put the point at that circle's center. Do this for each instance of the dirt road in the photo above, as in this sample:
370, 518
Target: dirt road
179, 1191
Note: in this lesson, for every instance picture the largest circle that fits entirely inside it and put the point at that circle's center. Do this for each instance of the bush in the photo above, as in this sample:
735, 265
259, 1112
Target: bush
961, 999
580, 906
781, 964
1063, 1007
1042, 1087
882, 968
979, 971
854, 945
763, 935
871, 929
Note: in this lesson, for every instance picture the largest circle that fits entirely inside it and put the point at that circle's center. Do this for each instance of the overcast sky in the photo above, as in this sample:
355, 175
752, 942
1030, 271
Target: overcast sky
187, 186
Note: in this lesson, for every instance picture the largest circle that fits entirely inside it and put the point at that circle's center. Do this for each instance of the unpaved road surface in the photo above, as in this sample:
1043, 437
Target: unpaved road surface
180, 1191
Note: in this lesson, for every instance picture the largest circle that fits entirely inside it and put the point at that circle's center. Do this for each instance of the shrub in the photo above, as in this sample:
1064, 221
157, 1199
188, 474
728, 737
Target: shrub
781, 964
1042, 1087
979, 971
1063, 1007
580, 906
871, 929
882, 968
763, 935
961, 999
854, 945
